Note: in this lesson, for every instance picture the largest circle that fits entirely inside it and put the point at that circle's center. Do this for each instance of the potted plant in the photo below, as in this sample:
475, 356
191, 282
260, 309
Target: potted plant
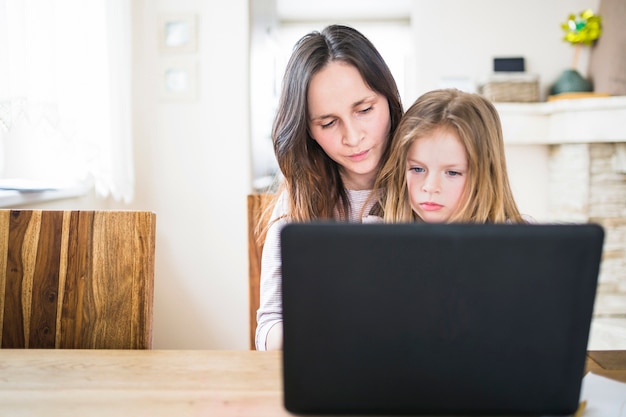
581, 30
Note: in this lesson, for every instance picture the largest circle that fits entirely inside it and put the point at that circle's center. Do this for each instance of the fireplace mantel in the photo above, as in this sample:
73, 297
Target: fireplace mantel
567, 163
585, 120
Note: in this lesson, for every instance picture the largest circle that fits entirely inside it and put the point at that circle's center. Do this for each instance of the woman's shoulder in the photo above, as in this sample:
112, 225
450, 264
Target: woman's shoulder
360, 205
358, 195
371, 219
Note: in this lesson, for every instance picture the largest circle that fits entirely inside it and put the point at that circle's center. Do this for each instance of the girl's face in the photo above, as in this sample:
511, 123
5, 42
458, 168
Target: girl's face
437, 170
349, 121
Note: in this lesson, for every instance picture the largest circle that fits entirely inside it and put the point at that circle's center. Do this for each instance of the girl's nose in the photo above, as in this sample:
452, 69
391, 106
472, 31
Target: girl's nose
431, 185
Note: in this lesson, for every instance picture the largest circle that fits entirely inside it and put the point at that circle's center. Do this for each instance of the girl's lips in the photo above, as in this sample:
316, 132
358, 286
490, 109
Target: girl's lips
359, 156
428, 206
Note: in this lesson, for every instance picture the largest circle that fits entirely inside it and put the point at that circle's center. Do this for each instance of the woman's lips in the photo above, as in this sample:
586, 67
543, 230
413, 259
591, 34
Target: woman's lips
359, 156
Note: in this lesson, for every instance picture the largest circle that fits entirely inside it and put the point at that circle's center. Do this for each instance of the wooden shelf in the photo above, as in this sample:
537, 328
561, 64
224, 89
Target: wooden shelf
577, 95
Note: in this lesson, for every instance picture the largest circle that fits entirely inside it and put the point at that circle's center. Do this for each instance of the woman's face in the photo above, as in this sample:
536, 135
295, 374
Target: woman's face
349, 121
437, 171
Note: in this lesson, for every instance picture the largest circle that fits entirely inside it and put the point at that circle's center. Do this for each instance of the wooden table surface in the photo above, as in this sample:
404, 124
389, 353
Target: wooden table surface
149, 383
53, 383
608, 363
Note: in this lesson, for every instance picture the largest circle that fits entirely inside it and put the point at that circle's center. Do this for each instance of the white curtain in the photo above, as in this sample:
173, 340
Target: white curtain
65, 93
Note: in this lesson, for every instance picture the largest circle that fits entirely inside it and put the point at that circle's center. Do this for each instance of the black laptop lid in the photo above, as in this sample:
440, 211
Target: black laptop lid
437, 319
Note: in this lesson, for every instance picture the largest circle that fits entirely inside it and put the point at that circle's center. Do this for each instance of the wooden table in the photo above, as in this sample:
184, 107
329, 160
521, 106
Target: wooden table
151, 383
608, 363
156, 383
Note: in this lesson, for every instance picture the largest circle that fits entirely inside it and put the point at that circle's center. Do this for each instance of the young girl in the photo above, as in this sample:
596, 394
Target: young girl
447, 164
338, 109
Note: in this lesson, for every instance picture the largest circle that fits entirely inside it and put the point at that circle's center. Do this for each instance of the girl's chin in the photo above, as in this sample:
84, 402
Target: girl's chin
429, 218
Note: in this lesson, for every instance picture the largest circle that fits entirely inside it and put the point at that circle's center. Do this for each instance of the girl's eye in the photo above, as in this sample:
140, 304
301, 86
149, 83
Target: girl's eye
454, 173
416, 169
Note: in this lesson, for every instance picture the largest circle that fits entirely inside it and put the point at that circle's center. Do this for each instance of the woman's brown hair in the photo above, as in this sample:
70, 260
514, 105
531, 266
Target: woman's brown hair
314, 187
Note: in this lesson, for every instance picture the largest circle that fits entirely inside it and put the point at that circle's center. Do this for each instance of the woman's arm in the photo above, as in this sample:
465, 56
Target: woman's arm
270, 314
274, 339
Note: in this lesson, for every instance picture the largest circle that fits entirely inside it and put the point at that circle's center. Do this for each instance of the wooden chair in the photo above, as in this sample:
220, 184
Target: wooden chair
256, 208
76, 279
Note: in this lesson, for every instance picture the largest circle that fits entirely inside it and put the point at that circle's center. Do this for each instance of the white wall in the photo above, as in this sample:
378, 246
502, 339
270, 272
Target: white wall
193, 169
193, 158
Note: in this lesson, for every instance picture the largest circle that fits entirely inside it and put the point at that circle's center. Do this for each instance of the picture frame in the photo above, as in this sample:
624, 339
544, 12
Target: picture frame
179, 79
178, 33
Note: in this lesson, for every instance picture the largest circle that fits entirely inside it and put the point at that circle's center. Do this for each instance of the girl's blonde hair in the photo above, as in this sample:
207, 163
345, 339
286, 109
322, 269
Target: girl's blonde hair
487, 197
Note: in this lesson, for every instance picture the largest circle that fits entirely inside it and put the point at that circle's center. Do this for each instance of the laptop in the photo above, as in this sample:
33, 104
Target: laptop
437, 319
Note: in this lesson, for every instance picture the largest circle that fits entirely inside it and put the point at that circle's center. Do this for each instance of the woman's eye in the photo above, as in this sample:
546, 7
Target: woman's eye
367, 110
327, 125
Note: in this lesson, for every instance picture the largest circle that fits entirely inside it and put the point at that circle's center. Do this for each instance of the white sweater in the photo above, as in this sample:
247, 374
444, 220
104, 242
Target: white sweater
271, 307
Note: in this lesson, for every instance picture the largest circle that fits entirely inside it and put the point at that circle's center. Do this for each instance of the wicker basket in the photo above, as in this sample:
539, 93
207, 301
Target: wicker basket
512, 88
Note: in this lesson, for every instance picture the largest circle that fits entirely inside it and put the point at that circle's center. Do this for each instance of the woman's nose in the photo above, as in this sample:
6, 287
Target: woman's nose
351, 134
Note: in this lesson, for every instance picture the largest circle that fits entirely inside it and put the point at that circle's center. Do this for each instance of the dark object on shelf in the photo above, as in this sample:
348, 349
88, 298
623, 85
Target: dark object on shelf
508, 65
570, 81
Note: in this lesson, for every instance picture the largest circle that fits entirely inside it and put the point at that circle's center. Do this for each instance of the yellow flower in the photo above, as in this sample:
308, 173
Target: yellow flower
584, 28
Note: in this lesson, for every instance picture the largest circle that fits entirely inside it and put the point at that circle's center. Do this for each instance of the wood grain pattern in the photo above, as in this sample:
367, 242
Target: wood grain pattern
257, 204
151, 383
76, 279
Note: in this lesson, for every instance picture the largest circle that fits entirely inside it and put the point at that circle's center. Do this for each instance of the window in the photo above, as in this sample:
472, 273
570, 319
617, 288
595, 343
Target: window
65, 114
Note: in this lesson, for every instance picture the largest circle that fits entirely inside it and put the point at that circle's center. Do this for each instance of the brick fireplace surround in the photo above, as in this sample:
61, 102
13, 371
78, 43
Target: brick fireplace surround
585, 144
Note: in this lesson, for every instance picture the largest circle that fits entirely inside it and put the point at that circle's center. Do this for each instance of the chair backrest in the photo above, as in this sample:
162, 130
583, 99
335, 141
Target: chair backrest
76, 279
257, 203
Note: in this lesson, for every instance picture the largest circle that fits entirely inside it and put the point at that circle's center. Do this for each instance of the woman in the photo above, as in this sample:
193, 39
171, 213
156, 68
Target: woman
338, 110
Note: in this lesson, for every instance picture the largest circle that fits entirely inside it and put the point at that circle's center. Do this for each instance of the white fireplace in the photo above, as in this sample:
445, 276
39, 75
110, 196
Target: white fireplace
567, 163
